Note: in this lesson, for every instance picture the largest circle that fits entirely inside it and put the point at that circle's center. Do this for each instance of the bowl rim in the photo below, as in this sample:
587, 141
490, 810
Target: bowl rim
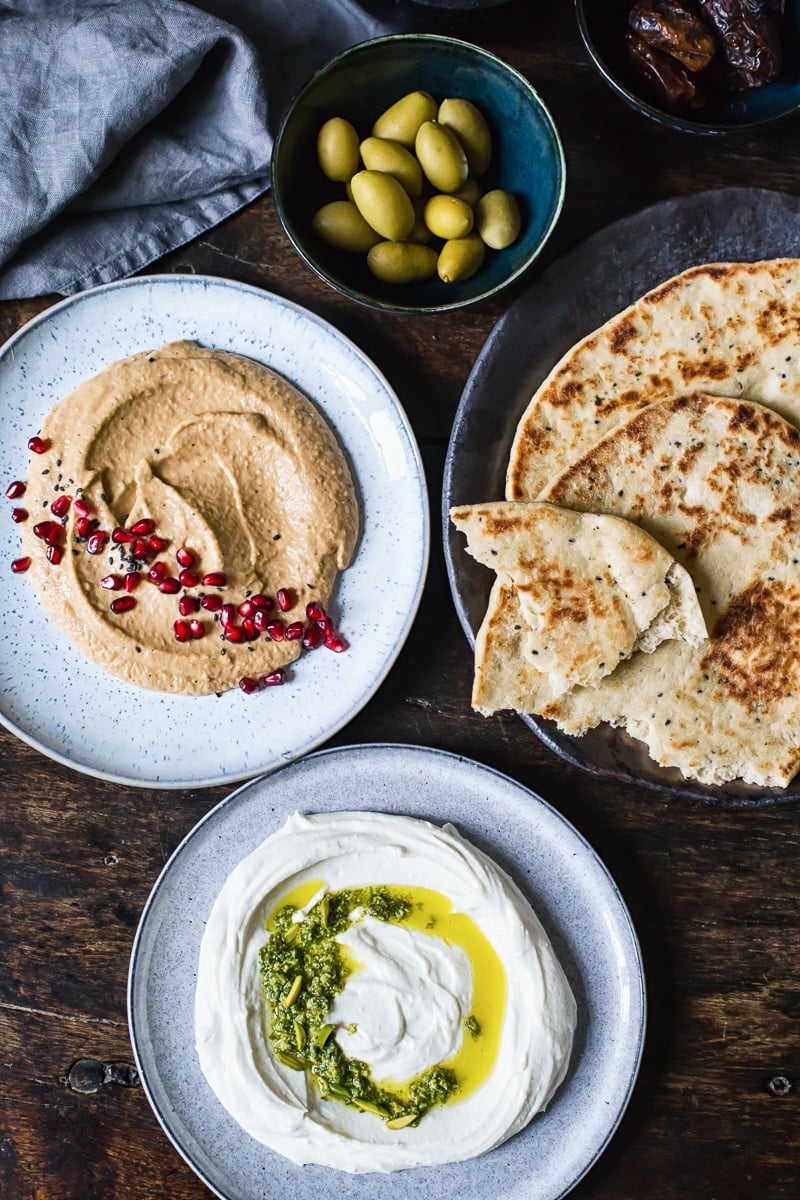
660, 115
425, 38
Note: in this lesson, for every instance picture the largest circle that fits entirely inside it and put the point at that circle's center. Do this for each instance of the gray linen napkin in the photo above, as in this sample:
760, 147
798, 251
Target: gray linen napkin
129, 127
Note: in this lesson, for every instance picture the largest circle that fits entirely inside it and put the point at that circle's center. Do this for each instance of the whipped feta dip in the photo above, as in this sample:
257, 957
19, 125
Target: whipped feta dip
403, 1009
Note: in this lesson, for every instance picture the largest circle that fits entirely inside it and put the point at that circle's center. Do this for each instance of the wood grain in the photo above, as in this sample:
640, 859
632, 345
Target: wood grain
713, 893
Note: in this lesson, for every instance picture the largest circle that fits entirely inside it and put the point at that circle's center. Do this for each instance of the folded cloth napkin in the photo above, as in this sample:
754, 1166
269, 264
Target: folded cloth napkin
129, 127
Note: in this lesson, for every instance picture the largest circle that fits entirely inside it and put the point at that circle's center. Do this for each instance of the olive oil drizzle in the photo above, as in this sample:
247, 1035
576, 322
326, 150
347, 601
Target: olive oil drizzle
303, 969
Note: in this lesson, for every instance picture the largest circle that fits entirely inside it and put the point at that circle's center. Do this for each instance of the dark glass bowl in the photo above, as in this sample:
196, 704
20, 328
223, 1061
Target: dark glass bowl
603, 24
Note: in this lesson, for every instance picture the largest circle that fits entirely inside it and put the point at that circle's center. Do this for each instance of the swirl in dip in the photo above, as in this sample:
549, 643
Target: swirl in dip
449, 1026
223, 457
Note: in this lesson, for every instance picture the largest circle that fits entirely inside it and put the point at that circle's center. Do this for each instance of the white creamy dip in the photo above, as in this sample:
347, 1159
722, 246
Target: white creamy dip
408, 1002
405, 1002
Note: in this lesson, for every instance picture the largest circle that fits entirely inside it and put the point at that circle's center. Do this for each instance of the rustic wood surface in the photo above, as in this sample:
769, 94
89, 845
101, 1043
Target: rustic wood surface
713, 892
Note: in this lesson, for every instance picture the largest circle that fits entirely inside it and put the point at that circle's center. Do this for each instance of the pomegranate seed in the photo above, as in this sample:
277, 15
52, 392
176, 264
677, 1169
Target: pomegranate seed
215, 579
276, 630
232, 633
249, 686
43, 528
336, 643
227, 614
19, 514
182, 631
132, 581
15, 490
188, 579
38, 445
185, 557
112, 582
188, 605
169, 586
140, 549
261, 620
285, 599
97, 541
54, 534
54, 555
83, 527
275, 679
294, 631
121, 536
19, 565
312, 637
211, 603
315, 612
325, 627
249, 629
264, 602
81, 507
158, 572
157, 544
123, 604
60, 507
143, 527
197, 629
246, 608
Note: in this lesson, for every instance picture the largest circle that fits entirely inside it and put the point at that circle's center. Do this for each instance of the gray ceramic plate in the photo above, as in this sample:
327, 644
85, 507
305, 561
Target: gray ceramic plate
572, 297
562, 876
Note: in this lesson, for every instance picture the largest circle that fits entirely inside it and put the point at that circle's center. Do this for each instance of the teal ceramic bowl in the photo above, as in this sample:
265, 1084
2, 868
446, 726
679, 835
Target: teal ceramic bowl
602, 24
359, 85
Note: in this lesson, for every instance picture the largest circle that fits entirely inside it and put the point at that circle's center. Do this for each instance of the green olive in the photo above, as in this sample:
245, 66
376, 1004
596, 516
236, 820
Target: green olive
441, 157
337, 149
402, 262
459, 258
468, 124
402, 119
497, 219
384, 204
340, 224
381, 154
447, 217
470, 193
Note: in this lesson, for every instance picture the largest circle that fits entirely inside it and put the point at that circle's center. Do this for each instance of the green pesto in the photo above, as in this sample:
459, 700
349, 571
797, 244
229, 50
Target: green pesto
472, 1026
299, 1033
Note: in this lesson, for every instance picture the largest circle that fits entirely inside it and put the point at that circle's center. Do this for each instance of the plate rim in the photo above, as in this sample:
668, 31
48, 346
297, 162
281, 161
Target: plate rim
546, 731
210, 281
456, 760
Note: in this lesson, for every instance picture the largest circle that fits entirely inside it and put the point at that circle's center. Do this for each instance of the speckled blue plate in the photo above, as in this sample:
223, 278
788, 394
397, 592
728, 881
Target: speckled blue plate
568, 886
65, 706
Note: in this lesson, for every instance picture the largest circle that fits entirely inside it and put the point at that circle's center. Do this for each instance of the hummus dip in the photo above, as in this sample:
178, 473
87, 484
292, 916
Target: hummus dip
465, 985
226, 459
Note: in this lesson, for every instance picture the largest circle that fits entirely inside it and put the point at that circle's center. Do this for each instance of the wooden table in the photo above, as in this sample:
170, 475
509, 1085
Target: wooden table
713, 892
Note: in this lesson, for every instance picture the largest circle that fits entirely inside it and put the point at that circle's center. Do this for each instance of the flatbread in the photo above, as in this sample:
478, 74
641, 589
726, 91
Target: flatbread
727, 329
591, 590
717, 483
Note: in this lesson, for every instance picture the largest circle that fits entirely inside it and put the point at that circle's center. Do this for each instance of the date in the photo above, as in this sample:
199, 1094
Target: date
672, 29
666, 80
748, 38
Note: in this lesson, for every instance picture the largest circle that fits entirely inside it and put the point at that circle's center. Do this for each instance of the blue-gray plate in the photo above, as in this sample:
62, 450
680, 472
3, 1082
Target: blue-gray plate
568, 886
575, 295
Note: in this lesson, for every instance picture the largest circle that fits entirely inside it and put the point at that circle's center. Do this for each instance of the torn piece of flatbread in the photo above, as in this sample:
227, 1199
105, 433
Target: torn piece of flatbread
590, 591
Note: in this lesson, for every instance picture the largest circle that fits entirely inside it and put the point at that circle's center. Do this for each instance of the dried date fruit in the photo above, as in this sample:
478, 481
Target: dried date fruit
674, 30
748, 39
666, 80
